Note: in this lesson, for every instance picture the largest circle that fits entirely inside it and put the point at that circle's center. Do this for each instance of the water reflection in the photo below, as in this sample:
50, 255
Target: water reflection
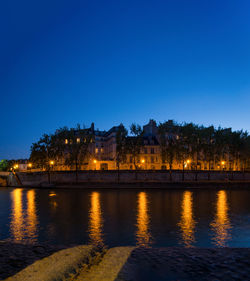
143, 236
221, 224
126, 217
17, 219
53, 200
187, 223
95, 220
31, 215
24, 222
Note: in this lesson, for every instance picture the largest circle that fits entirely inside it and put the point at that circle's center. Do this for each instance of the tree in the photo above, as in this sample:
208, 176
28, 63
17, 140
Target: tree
182, 149
208, 146
168, 135
74, 145
42, 152
134, 144
4, 165
193, 138
245, 152
121, 152
163, 142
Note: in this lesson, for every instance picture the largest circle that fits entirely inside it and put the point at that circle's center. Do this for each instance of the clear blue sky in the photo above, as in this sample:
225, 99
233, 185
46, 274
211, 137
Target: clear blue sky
68, 62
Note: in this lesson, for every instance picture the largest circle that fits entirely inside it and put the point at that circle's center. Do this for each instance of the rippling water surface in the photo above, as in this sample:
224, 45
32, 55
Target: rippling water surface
189, 218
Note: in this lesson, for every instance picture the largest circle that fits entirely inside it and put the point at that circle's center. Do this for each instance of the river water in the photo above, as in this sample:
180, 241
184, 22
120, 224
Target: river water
154, 218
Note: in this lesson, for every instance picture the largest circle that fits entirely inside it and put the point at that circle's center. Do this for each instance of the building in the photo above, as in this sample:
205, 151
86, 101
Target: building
102, 152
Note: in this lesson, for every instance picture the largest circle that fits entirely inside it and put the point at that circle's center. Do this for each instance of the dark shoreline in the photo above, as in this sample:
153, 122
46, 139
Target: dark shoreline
169, 263
16, 256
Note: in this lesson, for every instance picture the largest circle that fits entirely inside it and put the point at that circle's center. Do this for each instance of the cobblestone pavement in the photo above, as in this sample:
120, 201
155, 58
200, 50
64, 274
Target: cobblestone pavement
160, 264
16, 256
140, 264
109, 266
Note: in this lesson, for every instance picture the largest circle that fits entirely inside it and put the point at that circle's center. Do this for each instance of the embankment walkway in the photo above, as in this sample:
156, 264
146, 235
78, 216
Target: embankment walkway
140, 264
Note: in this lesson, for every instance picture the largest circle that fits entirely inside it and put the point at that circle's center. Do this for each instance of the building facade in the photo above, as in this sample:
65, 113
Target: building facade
102, 154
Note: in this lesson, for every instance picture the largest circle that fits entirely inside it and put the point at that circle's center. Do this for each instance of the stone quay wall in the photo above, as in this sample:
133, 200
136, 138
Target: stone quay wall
156, 176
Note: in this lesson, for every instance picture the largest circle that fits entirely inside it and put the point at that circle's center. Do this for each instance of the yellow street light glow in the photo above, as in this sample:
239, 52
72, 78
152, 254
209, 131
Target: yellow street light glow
16, 166
223, 162
52, 162
188, 161
52, 194
30, 165
94, 161
143, 160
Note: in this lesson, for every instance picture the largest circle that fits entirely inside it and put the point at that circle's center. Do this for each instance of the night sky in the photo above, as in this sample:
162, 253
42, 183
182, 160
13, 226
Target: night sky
68, 62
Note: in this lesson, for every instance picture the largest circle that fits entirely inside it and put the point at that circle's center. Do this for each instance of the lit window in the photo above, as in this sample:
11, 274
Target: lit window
78, 140
96, 150
66, 141
101, 150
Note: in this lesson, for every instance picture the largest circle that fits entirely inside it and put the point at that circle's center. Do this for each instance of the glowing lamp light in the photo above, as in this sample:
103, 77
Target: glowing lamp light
52, 194
188, 161
223, 163
143, 160
16, 166
94, 161
52, 162
30, 165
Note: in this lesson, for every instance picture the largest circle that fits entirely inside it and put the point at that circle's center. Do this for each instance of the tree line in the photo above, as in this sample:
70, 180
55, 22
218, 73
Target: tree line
177, 143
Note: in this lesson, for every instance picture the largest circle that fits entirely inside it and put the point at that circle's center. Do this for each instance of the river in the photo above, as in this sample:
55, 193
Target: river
151, 218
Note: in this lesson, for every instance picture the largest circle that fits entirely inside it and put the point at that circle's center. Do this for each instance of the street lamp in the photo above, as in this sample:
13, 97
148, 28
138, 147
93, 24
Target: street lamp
142, 162
94, 161
223, 164
30, 165
187, 163
51, 163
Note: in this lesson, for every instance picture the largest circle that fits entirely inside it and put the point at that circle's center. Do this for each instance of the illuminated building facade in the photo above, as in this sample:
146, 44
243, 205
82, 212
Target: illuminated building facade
102, 153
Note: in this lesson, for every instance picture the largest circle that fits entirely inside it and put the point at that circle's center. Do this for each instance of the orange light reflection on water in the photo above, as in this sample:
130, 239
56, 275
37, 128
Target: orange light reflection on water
95, 220
24, 222
187, 223
17, 219
31, 216
143, 235
221, 224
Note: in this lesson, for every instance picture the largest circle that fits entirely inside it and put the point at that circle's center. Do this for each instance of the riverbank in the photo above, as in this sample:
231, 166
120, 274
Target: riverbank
141, 185
16, 256
128, 263
127, 178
